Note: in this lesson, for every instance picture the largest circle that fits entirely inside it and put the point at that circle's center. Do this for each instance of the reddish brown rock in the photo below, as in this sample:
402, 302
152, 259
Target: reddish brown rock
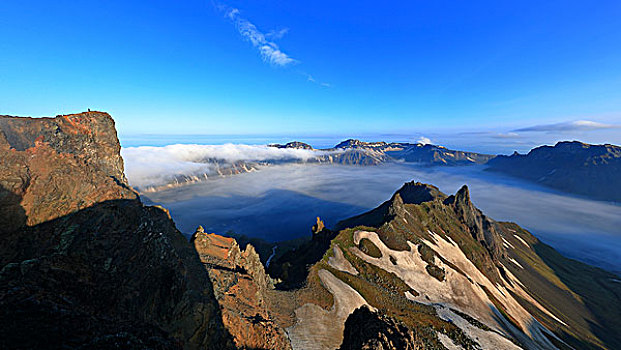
243, 291
56, 166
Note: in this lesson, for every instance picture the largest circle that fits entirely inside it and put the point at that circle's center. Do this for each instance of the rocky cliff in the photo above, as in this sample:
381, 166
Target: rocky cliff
243, 291
84, 264
369, 330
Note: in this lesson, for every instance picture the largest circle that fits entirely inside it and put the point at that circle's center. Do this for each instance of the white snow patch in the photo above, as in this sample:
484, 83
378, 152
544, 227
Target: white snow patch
456, 290
487, 339
318, 329
339, 262
521, 240
448, 342
507, 243
516, 263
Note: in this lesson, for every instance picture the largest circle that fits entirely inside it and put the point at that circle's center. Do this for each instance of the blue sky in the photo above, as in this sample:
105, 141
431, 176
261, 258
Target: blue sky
510, 74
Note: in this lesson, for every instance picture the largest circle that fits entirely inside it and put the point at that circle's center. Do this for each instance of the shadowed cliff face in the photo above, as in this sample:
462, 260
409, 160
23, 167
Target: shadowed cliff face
83, 262
365, 329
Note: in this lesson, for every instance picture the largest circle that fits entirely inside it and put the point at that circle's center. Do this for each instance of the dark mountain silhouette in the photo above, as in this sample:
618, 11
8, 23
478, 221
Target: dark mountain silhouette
575, 167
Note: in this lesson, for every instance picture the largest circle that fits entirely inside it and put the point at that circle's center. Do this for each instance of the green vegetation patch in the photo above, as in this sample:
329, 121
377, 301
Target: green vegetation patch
370, 249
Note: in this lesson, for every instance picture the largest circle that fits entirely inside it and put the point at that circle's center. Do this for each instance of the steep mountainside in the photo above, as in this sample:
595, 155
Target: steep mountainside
438, 273
574, 167
243, 290
83, 263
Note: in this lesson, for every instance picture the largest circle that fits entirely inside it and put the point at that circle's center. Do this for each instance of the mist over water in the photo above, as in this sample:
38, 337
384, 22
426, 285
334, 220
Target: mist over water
281, 202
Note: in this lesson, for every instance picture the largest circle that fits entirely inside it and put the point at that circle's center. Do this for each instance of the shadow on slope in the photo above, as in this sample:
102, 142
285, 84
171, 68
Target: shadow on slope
276, 215
12, 215
114, 274
599, 290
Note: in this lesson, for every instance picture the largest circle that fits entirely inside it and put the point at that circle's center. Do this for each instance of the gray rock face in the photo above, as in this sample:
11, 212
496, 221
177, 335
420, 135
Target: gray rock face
482, 228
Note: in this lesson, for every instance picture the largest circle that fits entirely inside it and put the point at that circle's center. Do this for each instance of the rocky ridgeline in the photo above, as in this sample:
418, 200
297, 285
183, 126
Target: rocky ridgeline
84, 264
573, 167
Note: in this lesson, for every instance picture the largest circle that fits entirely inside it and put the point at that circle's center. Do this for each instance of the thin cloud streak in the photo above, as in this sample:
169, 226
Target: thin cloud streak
269, 50
578, 125
277, 34
264, 42
312, 79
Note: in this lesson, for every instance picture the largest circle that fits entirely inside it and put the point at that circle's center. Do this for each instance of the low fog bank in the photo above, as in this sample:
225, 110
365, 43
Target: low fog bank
155, 166
281, 202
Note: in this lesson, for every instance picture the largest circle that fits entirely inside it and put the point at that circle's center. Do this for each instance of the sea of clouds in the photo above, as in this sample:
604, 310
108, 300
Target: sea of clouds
281, 201
148, 166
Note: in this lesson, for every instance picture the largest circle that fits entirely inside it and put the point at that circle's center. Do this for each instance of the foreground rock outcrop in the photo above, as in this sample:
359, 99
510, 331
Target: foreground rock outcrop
84, 264
242, 289
368, 330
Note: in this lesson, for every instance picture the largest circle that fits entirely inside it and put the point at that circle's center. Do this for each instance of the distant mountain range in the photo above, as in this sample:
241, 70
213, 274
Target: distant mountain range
573, 167
371, 153
349, 152
589, 170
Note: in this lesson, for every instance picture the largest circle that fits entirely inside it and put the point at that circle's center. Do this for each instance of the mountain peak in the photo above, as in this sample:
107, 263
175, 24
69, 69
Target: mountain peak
293, 144
355, 143
463, 195
417, 192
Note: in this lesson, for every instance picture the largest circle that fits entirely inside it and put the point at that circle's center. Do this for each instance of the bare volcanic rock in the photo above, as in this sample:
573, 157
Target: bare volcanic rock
482, 228
54, 166
84, 264
242, 288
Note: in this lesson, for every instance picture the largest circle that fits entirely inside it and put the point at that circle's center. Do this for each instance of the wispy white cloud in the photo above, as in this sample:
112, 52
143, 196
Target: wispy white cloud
269, 50
277, 34
509, 135
312, 79
424, 140
578, 125
264, 42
